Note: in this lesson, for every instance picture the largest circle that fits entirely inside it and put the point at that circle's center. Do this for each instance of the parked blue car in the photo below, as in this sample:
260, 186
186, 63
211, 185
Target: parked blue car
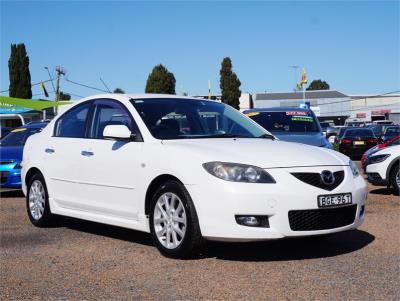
11, 147
291, 124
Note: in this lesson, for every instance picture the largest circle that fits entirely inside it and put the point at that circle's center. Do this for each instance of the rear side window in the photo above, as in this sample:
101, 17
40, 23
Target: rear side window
73, 123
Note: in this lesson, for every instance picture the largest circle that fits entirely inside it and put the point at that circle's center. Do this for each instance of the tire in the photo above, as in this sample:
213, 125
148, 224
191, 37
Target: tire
37, 202
394, 178
174, 225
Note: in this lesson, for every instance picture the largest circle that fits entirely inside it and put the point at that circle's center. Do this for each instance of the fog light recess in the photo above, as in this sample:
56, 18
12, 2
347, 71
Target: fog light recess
362, 211
253, 220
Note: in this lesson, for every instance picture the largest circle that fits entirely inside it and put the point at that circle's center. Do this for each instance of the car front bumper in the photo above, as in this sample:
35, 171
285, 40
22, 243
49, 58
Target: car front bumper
376, 174
10, 178
218, 202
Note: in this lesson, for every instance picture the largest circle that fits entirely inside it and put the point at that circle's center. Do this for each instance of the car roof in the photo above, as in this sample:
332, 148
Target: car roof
143, 96
278, 109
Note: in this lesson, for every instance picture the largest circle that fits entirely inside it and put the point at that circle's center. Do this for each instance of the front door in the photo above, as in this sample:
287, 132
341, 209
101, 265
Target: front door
109, 170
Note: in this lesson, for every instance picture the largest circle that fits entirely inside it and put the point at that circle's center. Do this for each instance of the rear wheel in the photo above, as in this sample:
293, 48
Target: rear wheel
173, 222
37, 202
395, 179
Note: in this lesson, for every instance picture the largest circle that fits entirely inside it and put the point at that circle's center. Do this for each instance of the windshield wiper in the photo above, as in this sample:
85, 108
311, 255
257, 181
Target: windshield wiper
226, 135
267, 136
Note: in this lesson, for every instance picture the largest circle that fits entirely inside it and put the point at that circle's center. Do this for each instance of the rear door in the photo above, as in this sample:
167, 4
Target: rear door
62, 154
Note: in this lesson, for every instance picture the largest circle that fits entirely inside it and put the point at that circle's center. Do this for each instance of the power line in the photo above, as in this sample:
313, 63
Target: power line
357, 109
350, 100
32, 85
86, 86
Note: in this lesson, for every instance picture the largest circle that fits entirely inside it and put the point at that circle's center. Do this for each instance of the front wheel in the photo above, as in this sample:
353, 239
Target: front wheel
174, 224
37, 202
395, 179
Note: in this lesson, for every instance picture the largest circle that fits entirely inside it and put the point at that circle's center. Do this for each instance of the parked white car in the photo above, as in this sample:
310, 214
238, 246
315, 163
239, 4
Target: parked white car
186, 170
383, 168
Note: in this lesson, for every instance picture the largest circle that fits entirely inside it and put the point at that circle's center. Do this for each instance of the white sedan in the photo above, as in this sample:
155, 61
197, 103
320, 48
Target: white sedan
383, 168
185, 170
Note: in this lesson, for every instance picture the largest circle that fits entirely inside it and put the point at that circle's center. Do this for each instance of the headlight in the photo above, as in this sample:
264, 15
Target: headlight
18, 166
377, 159
354, 169
238, 172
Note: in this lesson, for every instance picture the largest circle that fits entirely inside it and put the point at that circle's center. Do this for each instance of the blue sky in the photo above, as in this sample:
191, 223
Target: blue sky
353, 45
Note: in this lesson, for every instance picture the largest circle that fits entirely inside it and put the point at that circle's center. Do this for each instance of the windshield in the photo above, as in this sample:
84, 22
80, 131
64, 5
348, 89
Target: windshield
377, 130
355, 123
359, 133
393, 130
170, 118
290, 121
18, 136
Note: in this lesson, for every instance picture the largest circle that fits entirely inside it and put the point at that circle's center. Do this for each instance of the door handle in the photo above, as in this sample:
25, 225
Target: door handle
87, 153
49, 150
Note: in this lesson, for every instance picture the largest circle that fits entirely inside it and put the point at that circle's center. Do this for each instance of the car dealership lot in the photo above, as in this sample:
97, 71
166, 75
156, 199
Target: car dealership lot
84, 260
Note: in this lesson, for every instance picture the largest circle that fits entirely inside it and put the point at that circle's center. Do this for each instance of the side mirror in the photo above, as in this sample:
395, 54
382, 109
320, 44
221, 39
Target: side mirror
118, 132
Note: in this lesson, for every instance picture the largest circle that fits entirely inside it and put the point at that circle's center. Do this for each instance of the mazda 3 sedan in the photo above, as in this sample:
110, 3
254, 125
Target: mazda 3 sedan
185, 170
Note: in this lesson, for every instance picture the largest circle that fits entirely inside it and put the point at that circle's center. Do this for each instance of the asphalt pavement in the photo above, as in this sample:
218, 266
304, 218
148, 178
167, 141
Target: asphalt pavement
79, 260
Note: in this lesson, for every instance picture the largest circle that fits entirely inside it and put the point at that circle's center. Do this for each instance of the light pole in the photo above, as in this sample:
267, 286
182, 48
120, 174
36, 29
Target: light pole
51, 79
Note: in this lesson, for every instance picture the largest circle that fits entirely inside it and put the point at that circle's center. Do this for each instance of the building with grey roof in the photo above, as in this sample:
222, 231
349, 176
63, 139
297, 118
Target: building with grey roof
326, 104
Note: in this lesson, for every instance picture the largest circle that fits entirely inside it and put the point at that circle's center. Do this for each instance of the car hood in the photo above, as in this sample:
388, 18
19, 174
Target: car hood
13, 153
315, 139
263, 153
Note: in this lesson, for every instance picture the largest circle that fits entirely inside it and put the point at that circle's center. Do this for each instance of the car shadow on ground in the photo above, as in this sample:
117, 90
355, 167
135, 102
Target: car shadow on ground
383, 191
105, 230
291, 249
11, 193
274, 250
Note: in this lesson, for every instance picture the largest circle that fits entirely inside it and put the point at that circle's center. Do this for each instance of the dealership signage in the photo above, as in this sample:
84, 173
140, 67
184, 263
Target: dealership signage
381, 112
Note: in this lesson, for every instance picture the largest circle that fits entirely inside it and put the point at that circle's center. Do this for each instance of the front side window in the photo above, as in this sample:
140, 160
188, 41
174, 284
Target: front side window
108, 113
170, 118
290, 121
73, 123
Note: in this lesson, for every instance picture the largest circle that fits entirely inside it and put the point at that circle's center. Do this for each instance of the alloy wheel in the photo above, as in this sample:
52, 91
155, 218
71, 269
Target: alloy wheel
170, 220
37, 197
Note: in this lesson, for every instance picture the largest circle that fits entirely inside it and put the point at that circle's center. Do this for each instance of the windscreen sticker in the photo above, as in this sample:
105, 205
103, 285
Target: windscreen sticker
302, 118
252, 114
18, 130
298, 113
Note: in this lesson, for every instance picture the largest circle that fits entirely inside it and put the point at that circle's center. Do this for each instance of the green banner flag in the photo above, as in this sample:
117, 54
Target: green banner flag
34, 104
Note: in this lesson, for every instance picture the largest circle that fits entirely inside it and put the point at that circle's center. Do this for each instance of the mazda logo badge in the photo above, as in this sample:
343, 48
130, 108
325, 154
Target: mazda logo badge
327, 177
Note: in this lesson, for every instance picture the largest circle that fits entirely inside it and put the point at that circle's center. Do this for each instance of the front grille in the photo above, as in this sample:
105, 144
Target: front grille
3, 176
6, 162
321, 219
314, 179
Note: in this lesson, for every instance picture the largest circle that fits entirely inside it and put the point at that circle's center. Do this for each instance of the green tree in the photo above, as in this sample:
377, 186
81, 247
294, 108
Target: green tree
318, 84
20, 77
119, 91
229, 84
64, 96
161, 81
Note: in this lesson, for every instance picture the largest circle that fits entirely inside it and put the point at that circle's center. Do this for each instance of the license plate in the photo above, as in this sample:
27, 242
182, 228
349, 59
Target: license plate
331, 200
359, 142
